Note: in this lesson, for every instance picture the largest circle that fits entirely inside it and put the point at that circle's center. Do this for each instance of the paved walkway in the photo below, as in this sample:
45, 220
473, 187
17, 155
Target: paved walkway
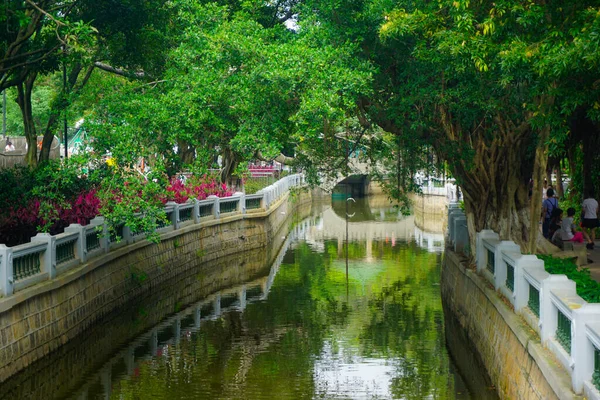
594, 261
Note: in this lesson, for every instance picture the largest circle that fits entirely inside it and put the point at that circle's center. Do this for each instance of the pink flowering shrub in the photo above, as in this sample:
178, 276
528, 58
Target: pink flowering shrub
180, 192
20, 223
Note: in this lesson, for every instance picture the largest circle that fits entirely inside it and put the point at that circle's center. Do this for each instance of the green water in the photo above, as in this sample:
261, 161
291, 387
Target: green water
313, 327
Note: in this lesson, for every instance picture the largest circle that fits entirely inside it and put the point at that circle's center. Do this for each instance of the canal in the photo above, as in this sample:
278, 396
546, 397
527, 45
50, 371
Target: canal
322, 318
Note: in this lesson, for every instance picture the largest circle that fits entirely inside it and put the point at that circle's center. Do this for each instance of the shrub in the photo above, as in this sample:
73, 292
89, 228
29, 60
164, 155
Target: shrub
199, 188
587, 287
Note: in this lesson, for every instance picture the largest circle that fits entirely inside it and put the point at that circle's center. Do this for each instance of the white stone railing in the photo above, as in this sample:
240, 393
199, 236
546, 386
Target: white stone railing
48, 255
568, 326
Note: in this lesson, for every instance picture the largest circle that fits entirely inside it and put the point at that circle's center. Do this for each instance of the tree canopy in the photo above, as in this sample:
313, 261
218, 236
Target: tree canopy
496, 92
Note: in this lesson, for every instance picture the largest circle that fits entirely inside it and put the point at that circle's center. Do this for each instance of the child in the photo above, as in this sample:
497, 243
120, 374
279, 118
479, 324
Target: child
555, 222
569, 232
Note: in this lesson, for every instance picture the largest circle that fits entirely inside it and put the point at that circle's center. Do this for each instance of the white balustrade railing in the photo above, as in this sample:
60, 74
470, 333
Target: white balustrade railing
48, 255
568, 326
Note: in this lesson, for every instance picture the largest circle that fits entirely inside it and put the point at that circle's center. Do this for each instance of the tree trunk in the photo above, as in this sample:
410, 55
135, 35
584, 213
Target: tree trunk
51, 128
539, 168
559, 181
590, 148
59, 107
24, 91
495, 180
230, 163
187, 153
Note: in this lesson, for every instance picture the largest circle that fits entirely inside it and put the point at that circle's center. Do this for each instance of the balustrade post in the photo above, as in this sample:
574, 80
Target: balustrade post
49, 259
80, 248
263, 203
196, 211
548, 313
521, 294
197, 316
242, 297
127, 236
217, 305
500, 267
6, 270
241, 208
216, 206
583, 348
480, 251
174, 220
456, 223
266, 197
103, 236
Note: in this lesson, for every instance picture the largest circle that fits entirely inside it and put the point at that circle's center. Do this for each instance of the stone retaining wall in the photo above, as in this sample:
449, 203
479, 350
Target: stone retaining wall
40, 319
430, 212
517, 364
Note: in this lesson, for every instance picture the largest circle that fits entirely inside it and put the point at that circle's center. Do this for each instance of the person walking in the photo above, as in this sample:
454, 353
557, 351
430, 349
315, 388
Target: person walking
549, 204
589, 217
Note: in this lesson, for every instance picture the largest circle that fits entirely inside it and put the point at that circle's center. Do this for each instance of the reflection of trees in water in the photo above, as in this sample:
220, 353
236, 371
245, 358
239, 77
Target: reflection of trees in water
367, 209
392, 312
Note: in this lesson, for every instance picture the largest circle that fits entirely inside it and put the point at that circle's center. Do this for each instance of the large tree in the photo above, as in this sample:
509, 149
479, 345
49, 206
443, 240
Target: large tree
480, 82
42, 36
236, 88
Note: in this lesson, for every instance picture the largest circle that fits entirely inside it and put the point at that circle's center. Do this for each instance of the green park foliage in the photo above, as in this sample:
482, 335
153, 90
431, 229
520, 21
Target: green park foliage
473, 89
587, 288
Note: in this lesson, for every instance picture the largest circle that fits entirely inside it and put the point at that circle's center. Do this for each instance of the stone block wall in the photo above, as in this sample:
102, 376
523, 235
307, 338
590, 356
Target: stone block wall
517, 364
38, 320
430, 212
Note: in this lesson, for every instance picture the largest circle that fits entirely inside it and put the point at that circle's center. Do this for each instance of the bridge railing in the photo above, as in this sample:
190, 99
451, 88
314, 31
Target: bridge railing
568, 326
48, 255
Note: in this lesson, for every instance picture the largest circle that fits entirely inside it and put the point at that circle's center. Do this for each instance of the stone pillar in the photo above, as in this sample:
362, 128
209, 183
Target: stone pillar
177, 329
6, 270
197, 316
480, 251
174, 220
216, 209
241, 208
49, 258
153, 342
106, 381
583, 348
548, 312
196, 211
506, 246
242, 297
80, 247
103, 235
217, 305
129, 359
535, 267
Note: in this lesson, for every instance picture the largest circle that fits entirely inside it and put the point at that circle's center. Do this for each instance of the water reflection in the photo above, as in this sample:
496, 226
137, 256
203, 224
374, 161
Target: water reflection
304, 329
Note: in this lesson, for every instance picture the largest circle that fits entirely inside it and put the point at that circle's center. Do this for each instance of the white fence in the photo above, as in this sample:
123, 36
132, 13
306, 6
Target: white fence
46, 256
568, 326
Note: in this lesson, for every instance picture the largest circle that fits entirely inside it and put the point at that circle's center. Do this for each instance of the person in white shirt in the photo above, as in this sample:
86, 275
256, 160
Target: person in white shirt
568, 230
589, 218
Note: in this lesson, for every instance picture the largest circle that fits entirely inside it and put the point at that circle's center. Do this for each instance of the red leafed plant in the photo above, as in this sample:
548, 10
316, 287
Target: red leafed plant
180, 192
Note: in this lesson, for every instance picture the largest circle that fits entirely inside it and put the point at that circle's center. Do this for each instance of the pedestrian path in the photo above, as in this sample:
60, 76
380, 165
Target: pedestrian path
594, 261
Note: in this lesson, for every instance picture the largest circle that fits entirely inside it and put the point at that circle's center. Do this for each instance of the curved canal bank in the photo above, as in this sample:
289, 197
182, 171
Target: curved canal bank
40, 319
304, 327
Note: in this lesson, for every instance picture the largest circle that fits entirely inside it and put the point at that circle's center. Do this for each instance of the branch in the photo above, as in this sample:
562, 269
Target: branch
57, 22
282, 159
47, 54
119, 71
